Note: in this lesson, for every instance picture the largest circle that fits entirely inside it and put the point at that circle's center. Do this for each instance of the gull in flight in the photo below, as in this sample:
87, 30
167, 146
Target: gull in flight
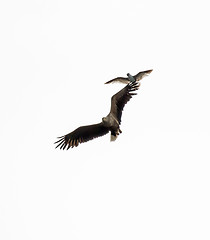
130, 78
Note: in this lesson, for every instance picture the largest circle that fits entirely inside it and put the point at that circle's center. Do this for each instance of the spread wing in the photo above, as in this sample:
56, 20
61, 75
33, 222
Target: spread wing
119, 100
118, 79
138, 77
82, 134
141, 75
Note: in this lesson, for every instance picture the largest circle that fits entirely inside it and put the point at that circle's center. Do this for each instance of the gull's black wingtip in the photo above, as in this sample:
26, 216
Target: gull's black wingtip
149, 71
108, 82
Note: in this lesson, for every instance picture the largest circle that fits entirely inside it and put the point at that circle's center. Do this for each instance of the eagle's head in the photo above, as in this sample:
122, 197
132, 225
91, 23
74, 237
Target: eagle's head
105, 121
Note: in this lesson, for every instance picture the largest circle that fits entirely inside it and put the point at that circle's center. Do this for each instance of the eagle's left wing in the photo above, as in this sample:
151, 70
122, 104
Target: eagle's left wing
82, 134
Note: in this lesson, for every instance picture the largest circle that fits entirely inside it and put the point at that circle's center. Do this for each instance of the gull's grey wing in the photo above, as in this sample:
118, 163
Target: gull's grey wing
82, 134
137, 77
119, 100
118, 79
141, 75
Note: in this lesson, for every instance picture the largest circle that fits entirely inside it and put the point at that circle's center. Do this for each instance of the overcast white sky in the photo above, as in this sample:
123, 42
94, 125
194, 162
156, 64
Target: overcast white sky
154, 181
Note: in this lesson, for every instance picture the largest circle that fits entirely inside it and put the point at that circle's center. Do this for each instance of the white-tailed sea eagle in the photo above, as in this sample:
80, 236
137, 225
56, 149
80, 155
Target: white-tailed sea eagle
130, 78
109, 123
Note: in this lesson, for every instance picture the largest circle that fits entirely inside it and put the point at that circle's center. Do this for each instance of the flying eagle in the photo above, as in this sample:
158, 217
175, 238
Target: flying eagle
109, 123
130, 78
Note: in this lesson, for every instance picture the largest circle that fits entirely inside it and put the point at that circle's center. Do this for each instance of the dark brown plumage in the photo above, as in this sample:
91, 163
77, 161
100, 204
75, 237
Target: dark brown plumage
119, 100
109, 123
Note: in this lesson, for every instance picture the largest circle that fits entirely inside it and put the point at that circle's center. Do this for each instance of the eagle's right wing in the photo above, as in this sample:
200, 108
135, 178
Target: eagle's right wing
121, 98
82, 134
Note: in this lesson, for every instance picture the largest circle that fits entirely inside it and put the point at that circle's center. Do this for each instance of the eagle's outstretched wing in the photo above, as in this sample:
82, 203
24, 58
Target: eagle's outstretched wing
119, 100
118, 79
82, 134
141, 75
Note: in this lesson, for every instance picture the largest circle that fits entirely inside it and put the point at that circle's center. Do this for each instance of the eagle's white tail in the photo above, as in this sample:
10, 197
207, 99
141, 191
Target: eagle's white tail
114, 135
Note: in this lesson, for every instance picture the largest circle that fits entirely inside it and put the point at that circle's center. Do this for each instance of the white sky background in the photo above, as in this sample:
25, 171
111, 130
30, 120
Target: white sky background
154, 181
